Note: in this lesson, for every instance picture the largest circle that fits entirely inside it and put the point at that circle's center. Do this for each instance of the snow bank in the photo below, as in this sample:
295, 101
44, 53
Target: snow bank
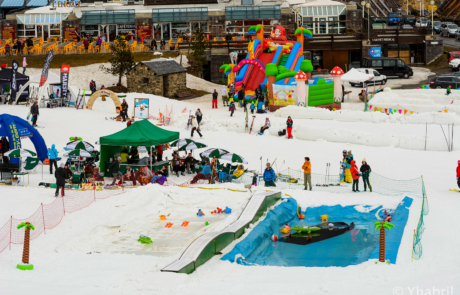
418, 100
297, 112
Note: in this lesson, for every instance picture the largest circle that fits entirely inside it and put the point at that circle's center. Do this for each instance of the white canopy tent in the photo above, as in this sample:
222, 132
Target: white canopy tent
52, 80
354, 75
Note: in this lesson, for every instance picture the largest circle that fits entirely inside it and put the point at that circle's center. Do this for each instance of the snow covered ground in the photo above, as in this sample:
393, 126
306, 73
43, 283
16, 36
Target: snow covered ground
95, 250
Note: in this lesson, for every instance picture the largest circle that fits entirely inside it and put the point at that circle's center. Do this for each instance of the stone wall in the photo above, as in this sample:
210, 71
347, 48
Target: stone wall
173, 83
433, 50
143, 80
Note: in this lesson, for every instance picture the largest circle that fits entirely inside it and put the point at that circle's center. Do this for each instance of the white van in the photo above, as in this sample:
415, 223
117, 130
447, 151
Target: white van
378, 78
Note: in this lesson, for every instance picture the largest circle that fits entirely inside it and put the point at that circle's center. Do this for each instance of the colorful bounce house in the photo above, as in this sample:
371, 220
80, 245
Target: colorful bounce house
279, 67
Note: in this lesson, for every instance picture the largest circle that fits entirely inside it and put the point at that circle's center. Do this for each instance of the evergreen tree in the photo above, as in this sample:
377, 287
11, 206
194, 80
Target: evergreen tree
197, 56
121, 62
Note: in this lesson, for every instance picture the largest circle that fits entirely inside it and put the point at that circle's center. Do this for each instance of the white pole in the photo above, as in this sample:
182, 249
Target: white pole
432, 32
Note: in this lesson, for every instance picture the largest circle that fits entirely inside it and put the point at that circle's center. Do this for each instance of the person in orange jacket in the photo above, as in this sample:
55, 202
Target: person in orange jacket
355, 175
458, 174
307, 172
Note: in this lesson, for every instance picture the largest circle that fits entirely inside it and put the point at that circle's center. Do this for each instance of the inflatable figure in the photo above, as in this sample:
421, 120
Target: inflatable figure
168, 225
162, 217
200, 213
324, 218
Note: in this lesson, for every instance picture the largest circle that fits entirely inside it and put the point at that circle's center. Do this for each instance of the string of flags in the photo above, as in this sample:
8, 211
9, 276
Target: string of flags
396, 111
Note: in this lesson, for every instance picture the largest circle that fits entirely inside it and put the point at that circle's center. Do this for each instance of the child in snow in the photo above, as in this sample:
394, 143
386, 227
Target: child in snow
448, 90
265, 127
354, 175
232, 108
252, 107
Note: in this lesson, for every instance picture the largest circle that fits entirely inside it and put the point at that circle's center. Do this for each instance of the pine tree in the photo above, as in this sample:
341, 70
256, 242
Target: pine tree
197, 56
121, 62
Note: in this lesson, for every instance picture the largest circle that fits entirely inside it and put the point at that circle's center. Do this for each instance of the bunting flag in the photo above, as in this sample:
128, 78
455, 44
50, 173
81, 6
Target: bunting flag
400, 111
411, 112
370, 107
445, 111
391, 111
184, 110
386, 110
405, 112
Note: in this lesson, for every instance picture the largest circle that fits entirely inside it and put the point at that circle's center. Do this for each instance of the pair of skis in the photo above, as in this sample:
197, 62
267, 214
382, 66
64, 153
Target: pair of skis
80, 98
189, 121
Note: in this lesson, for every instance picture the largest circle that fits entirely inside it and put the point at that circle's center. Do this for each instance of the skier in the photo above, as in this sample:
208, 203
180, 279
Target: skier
265, 127
124, 110
223, 91
232, 108
214, 99
60, 175
365, 171
195, 126
52, 156
307, 172
289, 124
199, 116
34, 111
269, 176
355, 175
92, 86
458, 174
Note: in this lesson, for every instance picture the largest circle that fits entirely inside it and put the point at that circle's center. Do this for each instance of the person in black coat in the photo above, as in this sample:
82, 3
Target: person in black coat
153, 44
92, 86
60, 175
114, 167
5, 147
34, 111
199, 116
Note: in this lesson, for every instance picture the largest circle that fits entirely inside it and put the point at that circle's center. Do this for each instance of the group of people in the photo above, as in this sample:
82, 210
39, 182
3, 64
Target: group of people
19, 46
153, 44
351, 173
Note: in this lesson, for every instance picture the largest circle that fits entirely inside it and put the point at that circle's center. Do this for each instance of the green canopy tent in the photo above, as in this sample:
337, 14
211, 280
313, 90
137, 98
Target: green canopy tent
140, 133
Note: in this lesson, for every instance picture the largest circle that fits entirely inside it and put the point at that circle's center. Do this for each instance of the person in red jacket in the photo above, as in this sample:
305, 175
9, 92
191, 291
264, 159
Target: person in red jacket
458, 174
159, 152
355, 175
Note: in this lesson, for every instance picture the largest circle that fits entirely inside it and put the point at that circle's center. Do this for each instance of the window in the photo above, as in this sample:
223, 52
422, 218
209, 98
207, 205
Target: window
377, 74
145, 80
247, 2
365, 62
401, 64
377, 63
389, 63
445, 79
180, 14
107, 16
252, 12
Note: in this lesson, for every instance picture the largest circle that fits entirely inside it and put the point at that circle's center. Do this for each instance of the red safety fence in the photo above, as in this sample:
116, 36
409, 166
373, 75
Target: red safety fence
49, 216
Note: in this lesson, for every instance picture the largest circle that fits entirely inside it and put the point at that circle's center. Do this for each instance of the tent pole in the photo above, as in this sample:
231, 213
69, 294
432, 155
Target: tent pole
151, 158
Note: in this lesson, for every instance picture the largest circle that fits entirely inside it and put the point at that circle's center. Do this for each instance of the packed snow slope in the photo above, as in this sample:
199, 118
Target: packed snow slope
86, 255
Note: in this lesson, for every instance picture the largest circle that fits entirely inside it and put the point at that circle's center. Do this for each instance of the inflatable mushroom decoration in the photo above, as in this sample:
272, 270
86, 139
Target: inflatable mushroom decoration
302, 95
337, 74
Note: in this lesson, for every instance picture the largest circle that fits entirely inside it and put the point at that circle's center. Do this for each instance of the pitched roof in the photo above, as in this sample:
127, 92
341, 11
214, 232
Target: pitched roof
164, 66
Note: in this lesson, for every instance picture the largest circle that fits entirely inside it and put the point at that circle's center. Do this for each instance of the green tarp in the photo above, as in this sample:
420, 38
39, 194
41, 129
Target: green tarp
140, 133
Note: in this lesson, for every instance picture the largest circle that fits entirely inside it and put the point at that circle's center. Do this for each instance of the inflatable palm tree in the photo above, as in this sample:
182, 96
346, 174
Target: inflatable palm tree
382, 226
25, 253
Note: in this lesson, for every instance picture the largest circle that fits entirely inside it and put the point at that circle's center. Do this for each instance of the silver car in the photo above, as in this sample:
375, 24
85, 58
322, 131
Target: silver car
449, 30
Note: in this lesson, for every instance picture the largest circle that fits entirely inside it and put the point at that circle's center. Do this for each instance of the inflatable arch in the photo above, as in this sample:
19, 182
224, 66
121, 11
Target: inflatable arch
103, 92
16, 128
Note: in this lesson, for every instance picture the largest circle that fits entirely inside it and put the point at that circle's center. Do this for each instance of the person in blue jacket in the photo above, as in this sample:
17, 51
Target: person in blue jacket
52, 156
269, 176
205, 172
252, 107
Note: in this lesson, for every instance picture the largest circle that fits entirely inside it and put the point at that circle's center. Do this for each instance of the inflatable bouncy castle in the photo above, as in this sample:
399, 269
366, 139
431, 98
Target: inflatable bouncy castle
273, 65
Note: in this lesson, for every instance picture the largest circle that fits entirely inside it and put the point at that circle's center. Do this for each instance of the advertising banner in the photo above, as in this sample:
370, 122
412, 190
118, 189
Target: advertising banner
141, 108
144, 31
283, 95
14, 85
71, 33
8, 32
45, 69
64, 80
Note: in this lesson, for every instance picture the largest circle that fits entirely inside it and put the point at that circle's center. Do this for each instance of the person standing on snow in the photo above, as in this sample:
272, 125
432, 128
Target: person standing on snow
24, 65
195, 126
269, 176
114, 167
349, 158
92, 86
458, 174
232, 108
214, 99
307, 172
355, 176
199, 116
241, 96
34, 111
223, 91
365, 172
265, 127
289, 124
52, 156
60, 175
448, 90
124, 110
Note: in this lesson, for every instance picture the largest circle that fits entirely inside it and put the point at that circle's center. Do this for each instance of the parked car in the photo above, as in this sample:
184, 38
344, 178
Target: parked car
449, 30
422, 22
405, 27
444, 81
457, 34
436, 26
389, 66
452, 55
394, 18
378, 78
410, 20
454, 64
457, 74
